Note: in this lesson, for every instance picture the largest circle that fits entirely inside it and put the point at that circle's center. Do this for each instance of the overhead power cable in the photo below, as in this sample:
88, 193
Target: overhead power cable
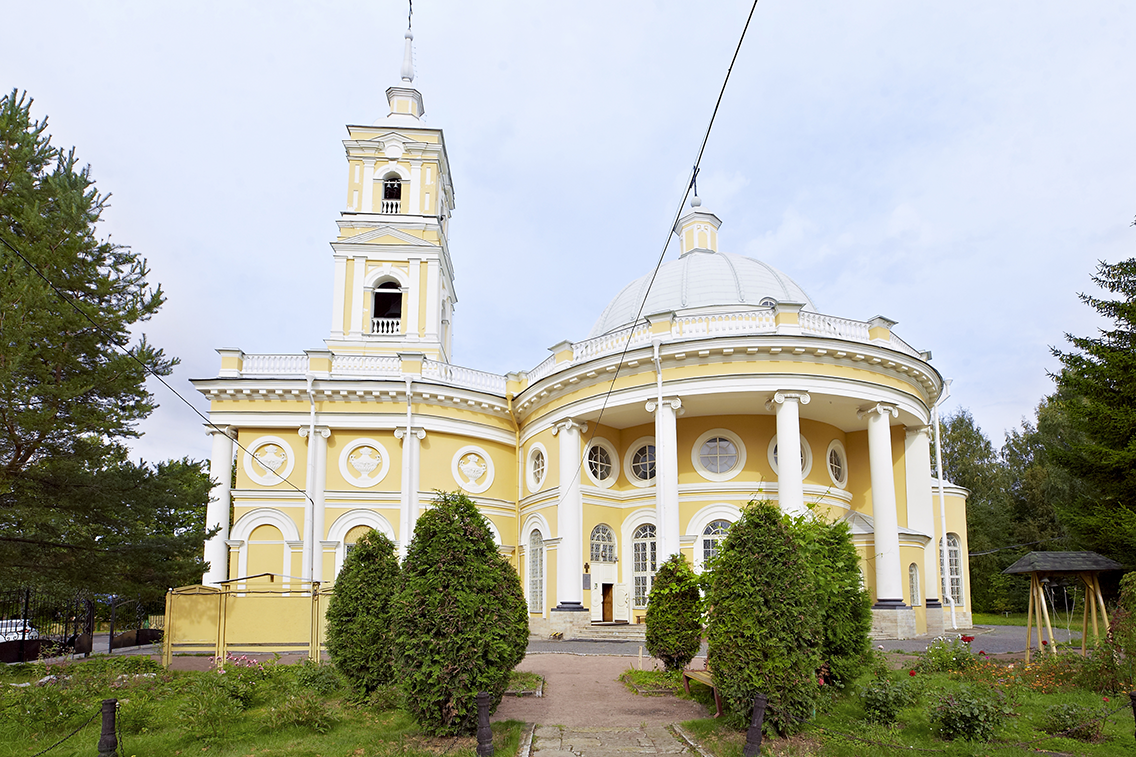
110, 338
691, 184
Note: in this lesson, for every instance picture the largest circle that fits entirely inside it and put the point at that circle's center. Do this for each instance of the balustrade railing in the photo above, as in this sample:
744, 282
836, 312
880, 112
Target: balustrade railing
547, 366
828, 325
748, 322
616, 341
365, 365
386, 325
391, 206
465, 377
275, 365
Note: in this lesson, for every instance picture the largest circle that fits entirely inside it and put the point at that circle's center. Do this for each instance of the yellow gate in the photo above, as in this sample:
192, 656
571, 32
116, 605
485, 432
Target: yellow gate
264, 613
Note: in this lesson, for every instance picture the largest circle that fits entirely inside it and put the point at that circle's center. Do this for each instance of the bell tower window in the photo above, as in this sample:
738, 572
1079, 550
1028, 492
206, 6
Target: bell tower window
392, 194
386, 317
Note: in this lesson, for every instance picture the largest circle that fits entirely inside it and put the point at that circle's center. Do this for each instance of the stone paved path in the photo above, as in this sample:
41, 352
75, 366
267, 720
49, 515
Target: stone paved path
585, 741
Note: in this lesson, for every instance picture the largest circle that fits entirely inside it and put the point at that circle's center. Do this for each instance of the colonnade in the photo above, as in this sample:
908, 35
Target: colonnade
786, 404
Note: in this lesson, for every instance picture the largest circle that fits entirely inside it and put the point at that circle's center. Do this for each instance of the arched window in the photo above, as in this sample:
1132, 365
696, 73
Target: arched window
954, 568
387, 313
644, 563
913, 584
392, 194
536, 572
603, 544
712, 536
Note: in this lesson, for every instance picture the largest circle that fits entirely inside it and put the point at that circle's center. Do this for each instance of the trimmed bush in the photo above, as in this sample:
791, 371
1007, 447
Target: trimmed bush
461, 623
359, 635
674, 614
764, 624
845, 606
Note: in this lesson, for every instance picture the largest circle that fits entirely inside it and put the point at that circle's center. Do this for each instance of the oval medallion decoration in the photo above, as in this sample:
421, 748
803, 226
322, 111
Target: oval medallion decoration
269, 460
364, 462
473, 469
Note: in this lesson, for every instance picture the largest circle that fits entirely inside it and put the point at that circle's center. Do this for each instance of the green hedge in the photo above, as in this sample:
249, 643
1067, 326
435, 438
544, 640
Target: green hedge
674, 614
461, 623
359, 635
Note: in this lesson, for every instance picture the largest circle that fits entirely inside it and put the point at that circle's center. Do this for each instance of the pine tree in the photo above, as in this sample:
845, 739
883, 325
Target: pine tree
73, 509
1096, 391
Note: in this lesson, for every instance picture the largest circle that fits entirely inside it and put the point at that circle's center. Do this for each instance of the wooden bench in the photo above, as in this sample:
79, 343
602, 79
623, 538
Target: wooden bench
703, 677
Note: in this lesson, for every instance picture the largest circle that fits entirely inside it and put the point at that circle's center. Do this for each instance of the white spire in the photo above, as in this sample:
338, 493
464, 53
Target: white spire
408, 58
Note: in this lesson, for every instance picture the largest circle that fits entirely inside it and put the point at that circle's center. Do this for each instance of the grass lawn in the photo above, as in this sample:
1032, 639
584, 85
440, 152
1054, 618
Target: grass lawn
999, 619
1030, 698
277, 711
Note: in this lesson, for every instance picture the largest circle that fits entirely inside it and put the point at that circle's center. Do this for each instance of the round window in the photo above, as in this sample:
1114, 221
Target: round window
599, 463
718, 455
837, 463
643, 463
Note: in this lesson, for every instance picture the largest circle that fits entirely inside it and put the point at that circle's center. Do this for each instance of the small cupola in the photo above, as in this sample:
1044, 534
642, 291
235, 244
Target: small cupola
698, 229
404, 99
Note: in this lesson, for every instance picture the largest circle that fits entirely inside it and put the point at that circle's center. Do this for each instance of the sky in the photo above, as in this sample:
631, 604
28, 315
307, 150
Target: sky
957, 167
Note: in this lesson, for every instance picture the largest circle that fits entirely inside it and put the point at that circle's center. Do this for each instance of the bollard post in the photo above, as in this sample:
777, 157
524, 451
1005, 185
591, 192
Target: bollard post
484, 732
753, 735
108, 740
1132, 696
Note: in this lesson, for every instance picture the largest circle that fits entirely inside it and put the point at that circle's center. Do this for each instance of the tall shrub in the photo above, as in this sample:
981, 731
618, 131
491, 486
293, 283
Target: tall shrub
764, 625
674, 614
461, 623
359, 635
846, 608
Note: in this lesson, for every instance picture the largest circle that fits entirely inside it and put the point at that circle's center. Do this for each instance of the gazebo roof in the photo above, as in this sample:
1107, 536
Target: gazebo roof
1063, 562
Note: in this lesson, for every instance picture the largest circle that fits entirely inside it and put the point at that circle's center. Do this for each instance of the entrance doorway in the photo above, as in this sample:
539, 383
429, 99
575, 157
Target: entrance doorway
608, 602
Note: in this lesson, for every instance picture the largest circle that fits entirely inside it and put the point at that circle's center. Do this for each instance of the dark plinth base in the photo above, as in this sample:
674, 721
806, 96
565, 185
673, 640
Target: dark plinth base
570, 607
889, 604
934, 604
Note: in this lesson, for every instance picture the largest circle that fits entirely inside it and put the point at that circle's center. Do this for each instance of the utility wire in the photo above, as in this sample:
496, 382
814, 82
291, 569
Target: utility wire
691, 184
110, 338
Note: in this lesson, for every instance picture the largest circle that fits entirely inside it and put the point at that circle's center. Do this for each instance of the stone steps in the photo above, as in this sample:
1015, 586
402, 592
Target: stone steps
627, 632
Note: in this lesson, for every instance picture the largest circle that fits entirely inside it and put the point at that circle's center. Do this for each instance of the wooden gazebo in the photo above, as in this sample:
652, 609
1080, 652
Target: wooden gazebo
1041, 566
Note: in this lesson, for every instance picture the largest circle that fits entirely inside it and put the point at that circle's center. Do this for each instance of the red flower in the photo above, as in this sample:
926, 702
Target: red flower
1106, 699
1043, 641
911, 672
982, 652
967, 639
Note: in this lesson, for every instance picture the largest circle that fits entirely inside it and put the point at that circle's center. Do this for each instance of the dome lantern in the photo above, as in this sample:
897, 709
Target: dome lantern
698, 229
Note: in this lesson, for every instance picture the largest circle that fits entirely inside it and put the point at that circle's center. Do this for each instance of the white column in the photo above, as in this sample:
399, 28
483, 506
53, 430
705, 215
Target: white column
315, 490
666, 474
359, 308
889, 586
920, 506
415, 191
413, 298
368, 186
217, 511
790, 479
570, 519
411, 474
433, 303
339, 297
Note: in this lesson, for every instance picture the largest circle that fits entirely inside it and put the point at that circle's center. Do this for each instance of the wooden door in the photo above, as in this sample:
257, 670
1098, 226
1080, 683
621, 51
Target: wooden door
607, 602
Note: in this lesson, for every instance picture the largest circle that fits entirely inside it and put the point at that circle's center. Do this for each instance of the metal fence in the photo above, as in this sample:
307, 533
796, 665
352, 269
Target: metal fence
35, 623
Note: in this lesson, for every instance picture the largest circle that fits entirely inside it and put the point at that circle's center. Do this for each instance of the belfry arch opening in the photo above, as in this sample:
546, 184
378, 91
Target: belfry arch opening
392, 194
386, 313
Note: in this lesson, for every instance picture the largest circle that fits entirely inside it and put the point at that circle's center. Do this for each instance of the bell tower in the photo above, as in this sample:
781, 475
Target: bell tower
394, 281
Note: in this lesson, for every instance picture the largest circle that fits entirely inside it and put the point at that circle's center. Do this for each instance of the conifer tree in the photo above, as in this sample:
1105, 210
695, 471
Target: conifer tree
674, 614
1096, 391
461, 622
360, 639
73, 509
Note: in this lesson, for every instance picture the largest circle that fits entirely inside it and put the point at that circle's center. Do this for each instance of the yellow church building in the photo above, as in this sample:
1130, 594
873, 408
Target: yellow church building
719, 383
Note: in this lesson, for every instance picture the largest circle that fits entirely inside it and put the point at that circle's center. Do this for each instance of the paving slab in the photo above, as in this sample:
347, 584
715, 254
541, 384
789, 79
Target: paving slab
582, 693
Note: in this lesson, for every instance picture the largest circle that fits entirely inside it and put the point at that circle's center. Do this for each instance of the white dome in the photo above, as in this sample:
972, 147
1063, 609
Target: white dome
702, 279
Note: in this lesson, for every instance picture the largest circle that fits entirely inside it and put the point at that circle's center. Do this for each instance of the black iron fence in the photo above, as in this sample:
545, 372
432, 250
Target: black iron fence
36, 623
